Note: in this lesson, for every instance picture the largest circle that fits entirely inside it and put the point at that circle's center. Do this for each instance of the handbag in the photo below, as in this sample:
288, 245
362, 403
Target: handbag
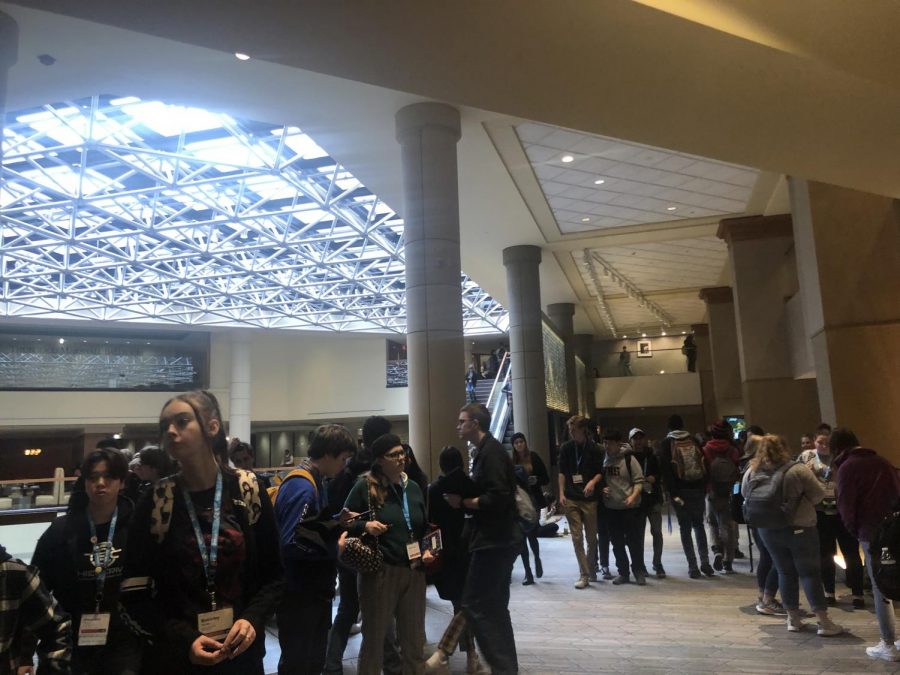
362, 553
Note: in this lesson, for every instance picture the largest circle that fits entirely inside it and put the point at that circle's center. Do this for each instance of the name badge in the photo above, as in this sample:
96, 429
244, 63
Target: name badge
216, 624
413, 552
577, 479
93, 630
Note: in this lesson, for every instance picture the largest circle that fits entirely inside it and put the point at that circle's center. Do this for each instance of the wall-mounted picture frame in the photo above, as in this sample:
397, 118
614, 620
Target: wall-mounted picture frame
645, 349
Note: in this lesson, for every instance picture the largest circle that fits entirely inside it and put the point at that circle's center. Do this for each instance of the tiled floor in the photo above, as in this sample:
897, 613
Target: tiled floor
677, 625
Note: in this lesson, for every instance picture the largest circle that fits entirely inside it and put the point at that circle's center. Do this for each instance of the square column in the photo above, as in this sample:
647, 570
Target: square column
705, 371
723, 350
760, 250
848, 257
428, 133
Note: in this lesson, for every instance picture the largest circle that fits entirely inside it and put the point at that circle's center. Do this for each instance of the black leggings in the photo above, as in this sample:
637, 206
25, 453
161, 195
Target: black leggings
531, 539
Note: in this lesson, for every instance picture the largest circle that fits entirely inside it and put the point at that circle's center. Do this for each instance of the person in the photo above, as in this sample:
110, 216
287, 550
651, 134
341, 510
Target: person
622, 487
451, 578
722, 459
536, 478
153, 463
651, 497
867, 490
625, 361
471, 379
832, 532
794, 546
304, 613
29, 614
202, 566
345, 619
396, 515
689, 349
80, 558
413, 470
493, 537
807, 447
243, 456
493, 364
580, 466
685, 474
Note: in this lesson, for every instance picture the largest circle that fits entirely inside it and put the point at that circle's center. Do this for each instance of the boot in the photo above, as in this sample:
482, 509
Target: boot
438, 662
538, 567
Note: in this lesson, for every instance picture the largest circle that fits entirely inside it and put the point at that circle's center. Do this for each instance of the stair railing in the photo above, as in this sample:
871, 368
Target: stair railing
498, 400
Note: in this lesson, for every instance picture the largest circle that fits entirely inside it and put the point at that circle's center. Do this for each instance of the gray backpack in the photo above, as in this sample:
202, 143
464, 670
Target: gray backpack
764, 503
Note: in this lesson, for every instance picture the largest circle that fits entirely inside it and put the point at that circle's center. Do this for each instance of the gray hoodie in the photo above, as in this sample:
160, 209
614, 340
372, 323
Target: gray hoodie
619, 480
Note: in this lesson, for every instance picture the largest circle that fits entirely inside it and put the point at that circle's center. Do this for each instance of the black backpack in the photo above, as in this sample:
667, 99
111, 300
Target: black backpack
723, 474
765, 505
885, 552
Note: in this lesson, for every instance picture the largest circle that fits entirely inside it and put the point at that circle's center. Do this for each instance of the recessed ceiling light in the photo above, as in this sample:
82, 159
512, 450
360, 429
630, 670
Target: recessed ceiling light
664, 332
117, 436
671, 208
624, 337
599, 181
62, 341
643, 335
662, 372
684, 332
585, 220
565, 159
240, 56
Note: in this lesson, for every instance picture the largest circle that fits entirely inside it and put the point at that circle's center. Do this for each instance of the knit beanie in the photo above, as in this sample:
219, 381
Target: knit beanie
722, 430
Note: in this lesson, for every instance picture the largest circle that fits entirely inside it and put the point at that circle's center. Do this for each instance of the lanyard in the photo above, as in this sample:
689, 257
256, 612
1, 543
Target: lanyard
210, 558
579, 455
405, 504
101, 563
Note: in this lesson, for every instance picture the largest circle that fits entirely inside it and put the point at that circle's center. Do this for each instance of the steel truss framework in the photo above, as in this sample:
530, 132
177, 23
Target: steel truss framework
128, 210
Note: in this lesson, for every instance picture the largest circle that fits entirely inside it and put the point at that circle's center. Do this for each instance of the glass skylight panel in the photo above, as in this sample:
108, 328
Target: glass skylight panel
231, 228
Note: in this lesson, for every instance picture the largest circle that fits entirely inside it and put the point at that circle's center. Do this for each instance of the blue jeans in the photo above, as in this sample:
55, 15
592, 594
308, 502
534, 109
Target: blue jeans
690, 518
884, 608
795, 552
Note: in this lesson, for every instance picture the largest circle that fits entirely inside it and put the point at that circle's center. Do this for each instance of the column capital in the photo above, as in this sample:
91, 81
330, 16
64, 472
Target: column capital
755, 227
716, 294
521, 254
701, 329
414, 118
561, 309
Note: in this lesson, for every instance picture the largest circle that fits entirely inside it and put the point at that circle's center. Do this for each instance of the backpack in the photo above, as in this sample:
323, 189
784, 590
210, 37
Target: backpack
164, 502
688, 460
884, 550
528, 515
764, 504
278, 481
723, 474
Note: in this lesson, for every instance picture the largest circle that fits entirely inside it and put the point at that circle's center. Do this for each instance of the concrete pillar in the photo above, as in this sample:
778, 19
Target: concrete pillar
723, 349
705, 371
761, 253
428, 133
584, 349
239, 396
526, 346
848, 254
9, 51
562, 314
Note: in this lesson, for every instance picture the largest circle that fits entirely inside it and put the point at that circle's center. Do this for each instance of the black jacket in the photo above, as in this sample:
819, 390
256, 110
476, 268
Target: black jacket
451, 578
494, 524
539, 471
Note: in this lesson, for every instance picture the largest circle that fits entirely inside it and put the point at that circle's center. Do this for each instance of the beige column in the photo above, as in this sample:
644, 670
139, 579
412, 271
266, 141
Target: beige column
428, 133
705, 371
723, 349
761, 251
9, 50
562, 314
848, 257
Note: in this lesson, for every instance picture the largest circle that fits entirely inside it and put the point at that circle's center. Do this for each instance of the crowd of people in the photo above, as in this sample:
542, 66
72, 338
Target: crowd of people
177, 564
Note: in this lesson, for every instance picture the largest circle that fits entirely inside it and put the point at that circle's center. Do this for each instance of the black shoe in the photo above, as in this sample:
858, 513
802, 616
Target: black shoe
660, 572
538, 568
694, 574
717, 562
621, 579
728, 568
859, 603
605, 573
707, 570
738, 554
529, 580
831, 600
715, 548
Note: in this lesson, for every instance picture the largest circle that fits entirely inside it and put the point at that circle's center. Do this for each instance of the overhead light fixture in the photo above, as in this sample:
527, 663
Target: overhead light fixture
566, 159
643, 335
240, 56
599, 181
117, 436
62, 341
662, 372
664, 332
684, 332
671, 208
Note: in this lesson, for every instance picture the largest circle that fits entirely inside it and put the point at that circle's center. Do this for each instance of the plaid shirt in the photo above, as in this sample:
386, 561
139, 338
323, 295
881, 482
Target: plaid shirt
27, 608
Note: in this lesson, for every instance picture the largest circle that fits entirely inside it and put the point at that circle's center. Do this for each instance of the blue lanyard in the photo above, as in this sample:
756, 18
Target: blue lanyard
101, 563
579, 455
405, 504
210, 558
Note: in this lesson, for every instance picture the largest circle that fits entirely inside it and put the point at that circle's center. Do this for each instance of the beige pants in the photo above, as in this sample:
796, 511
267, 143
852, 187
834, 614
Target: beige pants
582, 517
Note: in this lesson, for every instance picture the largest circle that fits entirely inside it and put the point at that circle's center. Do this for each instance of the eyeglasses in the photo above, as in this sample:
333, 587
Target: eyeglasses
396, 454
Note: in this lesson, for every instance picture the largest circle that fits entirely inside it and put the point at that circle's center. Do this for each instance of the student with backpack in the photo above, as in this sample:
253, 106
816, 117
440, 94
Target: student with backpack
202, 566
722, 460
867, 492
779, 500
685, 472
622, 487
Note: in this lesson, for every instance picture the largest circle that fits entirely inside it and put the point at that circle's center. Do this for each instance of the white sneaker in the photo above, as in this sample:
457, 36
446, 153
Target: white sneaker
581, 583
884, 651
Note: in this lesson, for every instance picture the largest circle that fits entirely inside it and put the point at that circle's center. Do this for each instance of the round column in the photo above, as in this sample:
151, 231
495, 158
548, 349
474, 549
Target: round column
428, 133
239, 399
9, 51
526, 346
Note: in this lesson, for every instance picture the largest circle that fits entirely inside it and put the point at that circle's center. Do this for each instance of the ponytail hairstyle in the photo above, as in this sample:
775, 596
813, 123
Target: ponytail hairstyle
206, 409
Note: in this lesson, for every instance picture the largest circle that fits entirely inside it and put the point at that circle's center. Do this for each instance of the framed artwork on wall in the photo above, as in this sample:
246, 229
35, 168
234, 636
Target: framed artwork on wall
645, 349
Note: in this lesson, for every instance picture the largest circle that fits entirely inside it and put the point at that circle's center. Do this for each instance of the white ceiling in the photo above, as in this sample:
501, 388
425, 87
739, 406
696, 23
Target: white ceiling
641, 184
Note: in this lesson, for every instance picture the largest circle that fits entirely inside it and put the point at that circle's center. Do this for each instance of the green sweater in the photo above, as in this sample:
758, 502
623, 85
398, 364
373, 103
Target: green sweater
393, 542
